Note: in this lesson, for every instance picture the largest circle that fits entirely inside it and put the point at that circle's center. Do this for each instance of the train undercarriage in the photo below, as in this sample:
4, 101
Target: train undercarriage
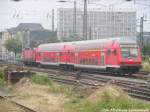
122, 70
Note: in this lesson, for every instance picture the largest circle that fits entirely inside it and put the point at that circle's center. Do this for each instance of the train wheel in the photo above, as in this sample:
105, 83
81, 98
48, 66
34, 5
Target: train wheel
121, 73
130, 74
39, 65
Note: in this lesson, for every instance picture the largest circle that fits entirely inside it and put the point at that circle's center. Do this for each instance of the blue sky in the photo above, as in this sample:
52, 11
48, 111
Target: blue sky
39, 11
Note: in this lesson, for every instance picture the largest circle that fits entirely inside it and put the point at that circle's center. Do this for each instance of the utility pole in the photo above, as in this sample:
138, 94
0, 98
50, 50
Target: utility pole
141, 33
85, 20
53, 20
90, 33
29, 40
75, 11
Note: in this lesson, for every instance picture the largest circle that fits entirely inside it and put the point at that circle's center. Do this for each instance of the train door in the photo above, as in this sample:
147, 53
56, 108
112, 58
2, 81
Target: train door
71, 57
111, 56
102, 59
63, 56
67, 55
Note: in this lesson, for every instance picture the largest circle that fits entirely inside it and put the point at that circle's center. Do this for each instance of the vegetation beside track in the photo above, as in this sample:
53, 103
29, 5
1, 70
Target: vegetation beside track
108, 97
6, 106
146, 64
53, 87
42, 80
41, 93
2, 82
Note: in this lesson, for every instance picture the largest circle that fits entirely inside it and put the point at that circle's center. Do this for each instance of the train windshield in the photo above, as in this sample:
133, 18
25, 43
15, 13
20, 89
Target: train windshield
129, 52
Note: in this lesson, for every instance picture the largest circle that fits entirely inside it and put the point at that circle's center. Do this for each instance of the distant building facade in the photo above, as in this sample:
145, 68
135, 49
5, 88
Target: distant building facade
101, 24
23, 31
30, 34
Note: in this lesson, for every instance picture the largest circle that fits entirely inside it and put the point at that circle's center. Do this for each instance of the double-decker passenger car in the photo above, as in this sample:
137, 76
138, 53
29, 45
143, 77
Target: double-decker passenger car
119, 55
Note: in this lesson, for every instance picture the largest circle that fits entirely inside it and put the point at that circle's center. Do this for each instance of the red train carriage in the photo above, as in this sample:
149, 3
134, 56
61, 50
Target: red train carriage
118, 55
48, 54
29, 56
115, 55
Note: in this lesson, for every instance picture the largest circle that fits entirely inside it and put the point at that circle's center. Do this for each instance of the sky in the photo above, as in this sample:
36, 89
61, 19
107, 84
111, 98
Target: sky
39, 11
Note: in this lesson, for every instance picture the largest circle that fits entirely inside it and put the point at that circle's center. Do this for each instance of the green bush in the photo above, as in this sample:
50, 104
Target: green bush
40, 79
146, 63
2, 82
1, 73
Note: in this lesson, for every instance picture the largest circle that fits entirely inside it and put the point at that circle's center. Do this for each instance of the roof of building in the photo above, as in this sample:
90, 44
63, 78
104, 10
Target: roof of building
26, 27
30, 26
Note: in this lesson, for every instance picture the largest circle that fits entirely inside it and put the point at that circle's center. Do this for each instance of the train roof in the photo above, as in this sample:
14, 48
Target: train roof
98, 43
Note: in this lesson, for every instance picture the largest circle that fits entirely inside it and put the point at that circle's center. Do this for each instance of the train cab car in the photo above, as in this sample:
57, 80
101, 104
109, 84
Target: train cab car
123, 56
130, 57
118, 55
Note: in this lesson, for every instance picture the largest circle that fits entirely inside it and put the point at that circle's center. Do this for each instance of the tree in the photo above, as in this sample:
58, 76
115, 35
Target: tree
13, 45
146, 49
72, 37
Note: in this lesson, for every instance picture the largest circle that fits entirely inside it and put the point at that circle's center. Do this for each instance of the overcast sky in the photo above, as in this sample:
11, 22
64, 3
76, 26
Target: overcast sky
39, 11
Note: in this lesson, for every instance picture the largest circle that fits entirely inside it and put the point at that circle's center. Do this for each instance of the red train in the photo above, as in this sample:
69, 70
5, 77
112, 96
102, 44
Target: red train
119, 55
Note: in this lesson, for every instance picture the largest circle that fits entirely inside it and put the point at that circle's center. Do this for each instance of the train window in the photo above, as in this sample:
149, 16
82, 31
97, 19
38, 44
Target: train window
89, 61
129, 52
102, 59
76, 57
60, 53
39, 54
133, 52
108, 52
69, 52
115, 52
96, 62
83, 61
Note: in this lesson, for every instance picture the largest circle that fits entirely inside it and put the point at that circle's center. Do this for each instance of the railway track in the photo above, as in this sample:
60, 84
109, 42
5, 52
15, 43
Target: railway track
139, 75
134, 87
24, 108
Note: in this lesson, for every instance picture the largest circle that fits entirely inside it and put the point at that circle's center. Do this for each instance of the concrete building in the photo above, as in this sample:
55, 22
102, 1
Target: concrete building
101, 23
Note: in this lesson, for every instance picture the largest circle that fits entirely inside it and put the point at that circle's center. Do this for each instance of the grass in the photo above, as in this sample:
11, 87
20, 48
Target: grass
41, 79
107, 98
60, 89
110, 97
107, 102
2, 82
6, 106
146, 64
53, 87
